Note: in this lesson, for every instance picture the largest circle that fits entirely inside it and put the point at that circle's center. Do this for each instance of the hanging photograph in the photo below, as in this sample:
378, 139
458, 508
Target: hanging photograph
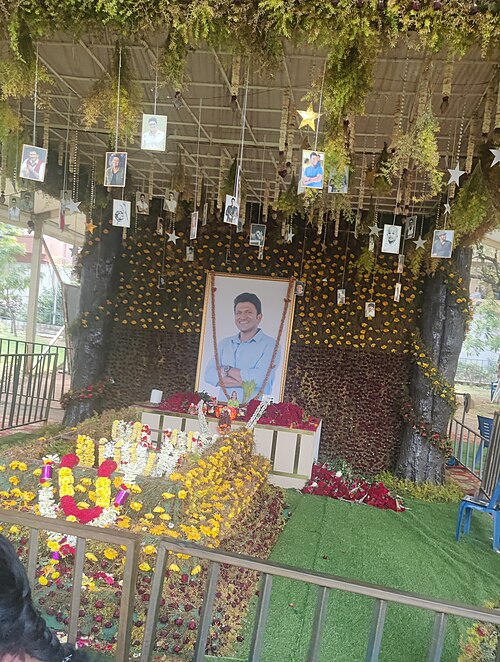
397, 292
260, 255
442, 244
371, 243
338, 182
27, 202
370, 309
193, 232
401, 264
248, 354
204, 214
257, 234
340, 297
115, 169
391, 239
160, 226
170, 203
66, 199
154, 133
142, 203
231, 210
121, 213
312, 169
189, 253
162, 282
13, 212
33, 161
300, 288
410, 227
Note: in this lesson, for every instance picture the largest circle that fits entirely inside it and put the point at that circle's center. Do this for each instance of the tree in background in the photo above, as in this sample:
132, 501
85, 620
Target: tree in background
484, 333
47, 313
13, 277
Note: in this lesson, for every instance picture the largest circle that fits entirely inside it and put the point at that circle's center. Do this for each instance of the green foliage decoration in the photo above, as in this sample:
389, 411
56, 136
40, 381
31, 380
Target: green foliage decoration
430, 492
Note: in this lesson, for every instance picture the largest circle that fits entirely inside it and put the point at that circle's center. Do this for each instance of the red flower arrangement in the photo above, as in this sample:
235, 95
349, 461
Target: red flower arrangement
283, 414
87, 393
441, 442
179, 402
331, 483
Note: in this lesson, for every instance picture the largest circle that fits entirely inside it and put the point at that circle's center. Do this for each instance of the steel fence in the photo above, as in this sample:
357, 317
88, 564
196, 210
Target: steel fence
469, 447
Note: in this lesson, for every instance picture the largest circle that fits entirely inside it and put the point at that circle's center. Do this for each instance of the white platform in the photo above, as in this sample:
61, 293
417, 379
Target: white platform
292, 452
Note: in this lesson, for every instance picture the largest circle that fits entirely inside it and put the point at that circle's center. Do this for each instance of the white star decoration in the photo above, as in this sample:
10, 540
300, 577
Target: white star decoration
172, 237
496, 154
72, 207
289, 237
374, 230
419, 243
447, 208
455, 174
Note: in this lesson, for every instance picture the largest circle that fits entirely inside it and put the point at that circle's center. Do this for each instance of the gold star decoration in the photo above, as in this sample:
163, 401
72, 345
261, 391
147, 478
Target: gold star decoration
308, 117
90, 227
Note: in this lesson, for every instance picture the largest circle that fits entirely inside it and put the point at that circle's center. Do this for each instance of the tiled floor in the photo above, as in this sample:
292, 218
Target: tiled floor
464, 478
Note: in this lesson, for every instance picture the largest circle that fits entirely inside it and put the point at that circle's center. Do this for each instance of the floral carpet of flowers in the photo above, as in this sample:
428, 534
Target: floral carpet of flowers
481, 642
326, 481
220, 497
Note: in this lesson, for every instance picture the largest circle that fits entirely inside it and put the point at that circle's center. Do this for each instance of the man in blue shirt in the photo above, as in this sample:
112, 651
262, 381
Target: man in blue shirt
313, 173
246, 356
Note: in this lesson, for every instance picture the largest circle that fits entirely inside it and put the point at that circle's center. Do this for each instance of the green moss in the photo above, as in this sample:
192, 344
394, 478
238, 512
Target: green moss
429, 492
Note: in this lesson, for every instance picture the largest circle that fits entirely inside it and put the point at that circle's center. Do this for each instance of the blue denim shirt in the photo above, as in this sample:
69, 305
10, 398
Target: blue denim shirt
251, 357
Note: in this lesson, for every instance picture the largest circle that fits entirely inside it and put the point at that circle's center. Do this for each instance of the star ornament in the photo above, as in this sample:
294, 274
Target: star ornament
447, 208
90, 227
308, 117
73, 207
496, 156
455, 174
419, 243
374, 230
172, 237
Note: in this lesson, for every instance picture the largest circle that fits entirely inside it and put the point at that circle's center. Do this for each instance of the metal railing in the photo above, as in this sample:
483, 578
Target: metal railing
22, 347
27, 388
268, 570
468, 447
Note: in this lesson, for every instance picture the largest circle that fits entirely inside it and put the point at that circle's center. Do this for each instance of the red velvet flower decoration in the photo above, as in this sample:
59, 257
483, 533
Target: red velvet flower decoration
83, 515
106, 468
70, 460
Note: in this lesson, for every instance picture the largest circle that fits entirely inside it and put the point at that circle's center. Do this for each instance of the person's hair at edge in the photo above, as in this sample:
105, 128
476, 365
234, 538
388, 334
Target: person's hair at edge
249, 297
313, 154
152, 120
23, 631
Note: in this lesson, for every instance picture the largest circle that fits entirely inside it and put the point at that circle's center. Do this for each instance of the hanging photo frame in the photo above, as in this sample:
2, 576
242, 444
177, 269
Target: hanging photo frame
391, 239
13, 211
300, 288
171, 201
115, 169
27, 201
312, 169
410, 227
204, 214
162, 282
154, 133
193, 231
338, 183
442, 243
257, 234
370, 309
160, 226
231, 210
33, 163
142, 203
401, 264
189, 254
397, 292
121, 213
340, 297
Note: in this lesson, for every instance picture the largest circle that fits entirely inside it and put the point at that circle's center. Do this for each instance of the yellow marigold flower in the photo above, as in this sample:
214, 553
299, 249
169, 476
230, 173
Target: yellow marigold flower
29, 496
174, 567
117, 482
86, 481
196, 570
91, 557
123, 522
149, 516
135, 489
55, 575
80, 488
43, 580
71, 518
110, 553
14, 480
176, 476
36, 472
2, 468
145, 567
136, 505
168, 495
182, 494
83, 504
149, 549
14, 529
165, 516
158, 509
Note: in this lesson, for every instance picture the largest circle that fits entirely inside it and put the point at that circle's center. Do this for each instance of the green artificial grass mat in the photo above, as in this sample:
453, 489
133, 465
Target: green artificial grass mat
412, 551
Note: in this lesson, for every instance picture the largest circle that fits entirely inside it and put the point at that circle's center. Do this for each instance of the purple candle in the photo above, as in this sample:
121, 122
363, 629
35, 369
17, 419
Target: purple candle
120, 497
46, 472
55, 556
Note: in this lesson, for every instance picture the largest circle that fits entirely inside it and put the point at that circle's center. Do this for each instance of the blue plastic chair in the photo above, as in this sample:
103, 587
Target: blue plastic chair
485, 425
470, 503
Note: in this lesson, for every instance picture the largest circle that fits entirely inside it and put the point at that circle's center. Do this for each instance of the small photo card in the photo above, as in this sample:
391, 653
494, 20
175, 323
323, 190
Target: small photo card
121, 213
338, 182
391, 239
370, 309
312, 169
257, 234
154, 132
340, 297
231, 210
115, 169
189, 254
142, 203
33, 162
397, 292
401, 264
410, 227
193, 231
442, 244
300, 288
171, 199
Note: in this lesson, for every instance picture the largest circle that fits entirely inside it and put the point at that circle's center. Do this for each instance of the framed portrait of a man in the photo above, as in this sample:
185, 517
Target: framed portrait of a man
121, 213
154, 133
338, 182
115, 169
33, 162
257, 234
247, 358
391, 239
170, 203
312, 169
442, 243
142, 203
27, 202
231, 210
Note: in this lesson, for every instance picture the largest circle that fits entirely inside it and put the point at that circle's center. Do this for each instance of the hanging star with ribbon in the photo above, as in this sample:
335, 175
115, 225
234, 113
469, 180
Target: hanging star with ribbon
419, 243
308, 117
455, 174
289, 236
172, 237
72, 207
90, 227
496, 154
447, 208
374, 230
74, 251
